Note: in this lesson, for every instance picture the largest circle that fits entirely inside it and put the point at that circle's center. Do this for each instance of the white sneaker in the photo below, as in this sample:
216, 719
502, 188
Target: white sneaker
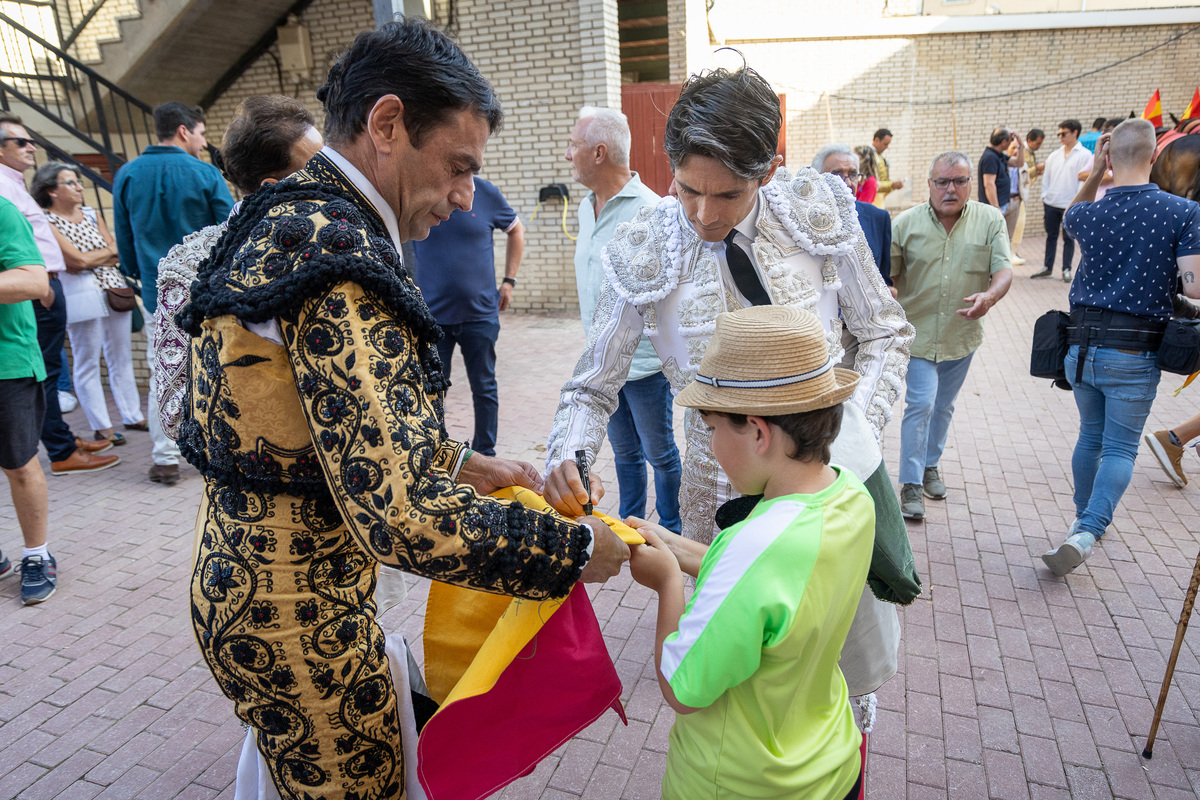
1017, 261
67, 402
1071, 553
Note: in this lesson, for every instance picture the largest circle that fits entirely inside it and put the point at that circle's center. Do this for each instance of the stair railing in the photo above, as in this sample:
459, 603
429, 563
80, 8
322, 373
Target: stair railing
98, 113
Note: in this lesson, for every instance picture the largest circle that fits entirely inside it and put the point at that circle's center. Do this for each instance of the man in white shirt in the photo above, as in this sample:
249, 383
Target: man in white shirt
1060, 184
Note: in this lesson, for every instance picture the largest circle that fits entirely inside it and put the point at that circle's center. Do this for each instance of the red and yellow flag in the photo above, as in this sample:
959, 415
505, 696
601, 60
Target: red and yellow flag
515, 679
1153, 110
1193, 109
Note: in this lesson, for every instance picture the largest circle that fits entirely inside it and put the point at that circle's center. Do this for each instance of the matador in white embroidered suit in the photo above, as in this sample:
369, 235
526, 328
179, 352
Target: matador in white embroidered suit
664, 280
808, 251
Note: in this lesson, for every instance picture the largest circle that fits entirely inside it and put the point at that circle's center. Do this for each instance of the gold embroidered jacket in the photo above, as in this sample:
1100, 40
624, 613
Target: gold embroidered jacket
349, 412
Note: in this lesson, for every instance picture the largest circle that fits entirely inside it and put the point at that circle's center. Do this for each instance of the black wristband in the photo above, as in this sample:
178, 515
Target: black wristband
510, 281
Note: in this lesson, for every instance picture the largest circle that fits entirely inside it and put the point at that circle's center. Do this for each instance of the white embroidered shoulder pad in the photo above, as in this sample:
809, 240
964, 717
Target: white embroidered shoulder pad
642, 260
817, 210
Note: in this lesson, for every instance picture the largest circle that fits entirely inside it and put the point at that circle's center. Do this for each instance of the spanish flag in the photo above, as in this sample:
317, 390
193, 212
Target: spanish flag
1153, 110
1193, 109
516, 679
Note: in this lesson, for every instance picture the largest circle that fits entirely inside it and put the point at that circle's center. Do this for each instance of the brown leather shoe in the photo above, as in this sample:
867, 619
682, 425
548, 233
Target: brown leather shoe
82, 461
166, 474
93, 447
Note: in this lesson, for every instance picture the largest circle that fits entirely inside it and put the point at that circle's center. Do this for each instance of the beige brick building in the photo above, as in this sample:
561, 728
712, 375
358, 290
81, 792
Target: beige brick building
844, 70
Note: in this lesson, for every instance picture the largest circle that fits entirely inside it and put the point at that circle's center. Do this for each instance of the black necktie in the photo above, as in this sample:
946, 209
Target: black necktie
744, 276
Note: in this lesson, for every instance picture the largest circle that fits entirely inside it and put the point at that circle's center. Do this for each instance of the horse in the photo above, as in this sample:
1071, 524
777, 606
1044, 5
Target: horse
1177, 169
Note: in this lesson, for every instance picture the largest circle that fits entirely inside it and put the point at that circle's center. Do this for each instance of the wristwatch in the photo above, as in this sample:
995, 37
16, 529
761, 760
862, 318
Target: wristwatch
510, 281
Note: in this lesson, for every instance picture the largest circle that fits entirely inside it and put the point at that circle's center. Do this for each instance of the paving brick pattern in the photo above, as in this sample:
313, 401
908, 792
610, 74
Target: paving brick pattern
1013, 684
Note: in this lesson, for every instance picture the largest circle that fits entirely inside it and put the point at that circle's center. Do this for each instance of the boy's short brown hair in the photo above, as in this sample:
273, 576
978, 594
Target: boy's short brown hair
811, 432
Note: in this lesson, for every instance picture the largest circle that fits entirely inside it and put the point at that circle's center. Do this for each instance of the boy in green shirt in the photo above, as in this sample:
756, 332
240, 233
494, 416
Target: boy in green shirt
750, 663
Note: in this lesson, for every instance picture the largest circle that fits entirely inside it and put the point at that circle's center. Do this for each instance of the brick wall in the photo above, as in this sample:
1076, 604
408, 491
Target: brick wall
892, 83
545, 60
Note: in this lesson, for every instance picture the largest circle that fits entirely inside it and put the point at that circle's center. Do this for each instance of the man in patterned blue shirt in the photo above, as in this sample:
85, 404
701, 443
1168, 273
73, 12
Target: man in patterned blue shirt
1135, 242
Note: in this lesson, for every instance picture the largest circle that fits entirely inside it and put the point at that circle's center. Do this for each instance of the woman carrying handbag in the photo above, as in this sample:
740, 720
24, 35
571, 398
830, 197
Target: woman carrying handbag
99, 302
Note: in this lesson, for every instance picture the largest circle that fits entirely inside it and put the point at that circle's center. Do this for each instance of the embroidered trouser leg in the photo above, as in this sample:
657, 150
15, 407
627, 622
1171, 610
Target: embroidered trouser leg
283, 609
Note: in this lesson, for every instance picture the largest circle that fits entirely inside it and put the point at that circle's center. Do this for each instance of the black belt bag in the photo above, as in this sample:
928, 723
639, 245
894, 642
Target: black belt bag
1180, 348
1102, 327
1050, 348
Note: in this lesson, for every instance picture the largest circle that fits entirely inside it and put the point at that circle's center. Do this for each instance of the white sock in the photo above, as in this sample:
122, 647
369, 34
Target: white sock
26, 552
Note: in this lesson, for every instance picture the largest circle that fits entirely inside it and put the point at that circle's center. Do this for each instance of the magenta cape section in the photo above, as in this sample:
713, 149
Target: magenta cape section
488, 733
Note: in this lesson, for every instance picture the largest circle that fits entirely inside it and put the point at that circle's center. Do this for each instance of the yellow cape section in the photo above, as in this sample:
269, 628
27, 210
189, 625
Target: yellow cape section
471, 637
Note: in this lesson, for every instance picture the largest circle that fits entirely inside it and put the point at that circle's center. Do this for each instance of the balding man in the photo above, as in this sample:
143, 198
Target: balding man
641, 430
950, 261
1135, 244
995, 184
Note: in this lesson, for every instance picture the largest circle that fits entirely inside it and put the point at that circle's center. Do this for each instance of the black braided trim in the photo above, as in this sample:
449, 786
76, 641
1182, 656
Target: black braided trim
212, 296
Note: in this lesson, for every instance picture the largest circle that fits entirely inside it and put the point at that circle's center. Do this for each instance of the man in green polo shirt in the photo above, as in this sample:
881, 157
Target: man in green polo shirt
22, 399
950, 265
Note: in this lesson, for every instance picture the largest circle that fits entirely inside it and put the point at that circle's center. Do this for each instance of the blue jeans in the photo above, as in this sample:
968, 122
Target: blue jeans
477, 340
928, 407
1114, 399
641, 431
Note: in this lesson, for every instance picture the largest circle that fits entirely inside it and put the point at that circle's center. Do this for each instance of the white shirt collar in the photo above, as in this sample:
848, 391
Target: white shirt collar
748, 228
369, 191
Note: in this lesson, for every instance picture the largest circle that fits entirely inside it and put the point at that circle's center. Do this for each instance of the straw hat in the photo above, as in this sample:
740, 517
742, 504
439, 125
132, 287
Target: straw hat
768, 360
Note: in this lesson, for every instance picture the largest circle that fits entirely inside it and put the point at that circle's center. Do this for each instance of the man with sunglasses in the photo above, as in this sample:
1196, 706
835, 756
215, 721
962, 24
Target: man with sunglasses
950, 264
1060, 184
68, 453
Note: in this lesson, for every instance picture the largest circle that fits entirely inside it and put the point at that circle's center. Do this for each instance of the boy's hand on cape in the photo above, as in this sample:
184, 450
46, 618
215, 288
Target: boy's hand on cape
652, 564
688, 553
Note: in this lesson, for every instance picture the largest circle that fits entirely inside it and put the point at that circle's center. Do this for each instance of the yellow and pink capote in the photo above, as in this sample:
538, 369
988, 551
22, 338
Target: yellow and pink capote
514, 679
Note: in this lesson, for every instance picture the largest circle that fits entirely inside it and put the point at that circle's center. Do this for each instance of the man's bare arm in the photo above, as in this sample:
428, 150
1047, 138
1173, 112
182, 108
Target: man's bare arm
989, 188
1189, 271
28, 282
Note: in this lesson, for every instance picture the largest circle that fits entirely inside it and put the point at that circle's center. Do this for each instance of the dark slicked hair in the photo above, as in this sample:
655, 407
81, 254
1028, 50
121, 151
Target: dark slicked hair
733, 117
1035, 134
1071, 125
882, 133
422, 66
258, 143
1098, 123
170, 115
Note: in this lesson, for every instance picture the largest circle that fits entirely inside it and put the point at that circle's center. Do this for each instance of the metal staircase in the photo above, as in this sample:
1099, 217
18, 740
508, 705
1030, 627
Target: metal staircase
72, 112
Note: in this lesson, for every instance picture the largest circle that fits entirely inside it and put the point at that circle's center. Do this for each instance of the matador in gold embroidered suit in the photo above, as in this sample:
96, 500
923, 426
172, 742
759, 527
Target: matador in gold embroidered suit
315, 414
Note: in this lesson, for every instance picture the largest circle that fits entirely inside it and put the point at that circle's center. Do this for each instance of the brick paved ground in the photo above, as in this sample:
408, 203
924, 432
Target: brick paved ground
1014, 684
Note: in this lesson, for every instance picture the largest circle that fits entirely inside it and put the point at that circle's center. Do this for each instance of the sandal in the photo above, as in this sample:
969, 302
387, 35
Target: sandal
115, 438
143, 426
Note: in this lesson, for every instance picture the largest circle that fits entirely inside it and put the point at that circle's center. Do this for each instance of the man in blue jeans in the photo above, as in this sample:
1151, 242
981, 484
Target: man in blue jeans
1135, 243
642, 427
456, 271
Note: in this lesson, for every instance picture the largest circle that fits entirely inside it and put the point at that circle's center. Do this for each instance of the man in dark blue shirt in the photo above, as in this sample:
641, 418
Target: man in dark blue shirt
840, 160
994, 182
158, 198
1135, 243
457, 274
